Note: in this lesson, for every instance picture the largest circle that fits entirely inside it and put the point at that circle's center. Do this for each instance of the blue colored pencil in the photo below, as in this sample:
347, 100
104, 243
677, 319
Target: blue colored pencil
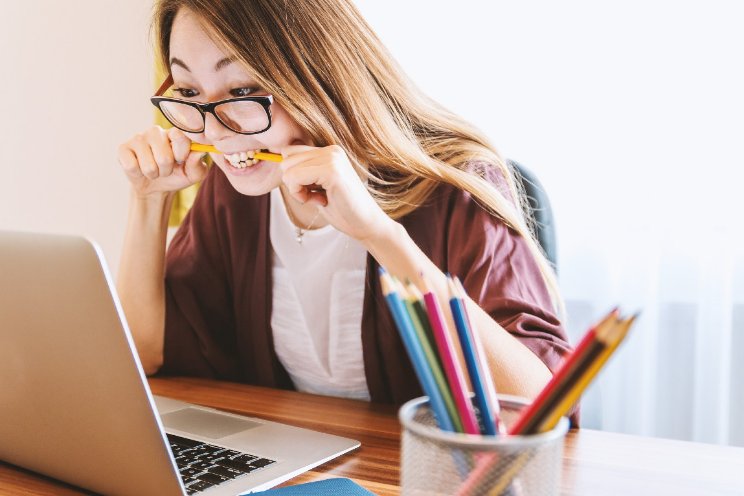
415, 352
489, 386
488, 416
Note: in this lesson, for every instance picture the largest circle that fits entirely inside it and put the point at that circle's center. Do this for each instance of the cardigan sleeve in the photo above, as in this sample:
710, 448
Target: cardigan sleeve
199, 322
500, 273
495, 265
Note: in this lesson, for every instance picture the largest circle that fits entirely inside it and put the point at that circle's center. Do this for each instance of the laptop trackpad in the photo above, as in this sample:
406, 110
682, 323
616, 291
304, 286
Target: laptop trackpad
208, 424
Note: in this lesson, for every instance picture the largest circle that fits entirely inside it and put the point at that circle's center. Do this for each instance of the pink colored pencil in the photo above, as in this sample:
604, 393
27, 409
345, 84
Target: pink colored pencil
452, 366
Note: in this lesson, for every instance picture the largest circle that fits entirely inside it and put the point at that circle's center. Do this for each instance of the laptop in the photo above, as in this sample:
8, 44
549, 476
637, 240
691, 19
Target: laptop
75, 404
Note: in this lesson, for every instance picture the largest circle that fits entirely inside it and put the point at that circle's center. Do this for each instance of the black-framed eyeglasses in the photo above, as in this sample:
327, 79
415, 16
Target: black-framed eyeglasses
243, 115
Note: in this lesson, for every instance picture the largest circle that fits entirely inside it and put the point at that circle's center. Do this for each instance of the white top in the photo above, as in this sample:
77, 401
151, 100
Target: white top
318, 293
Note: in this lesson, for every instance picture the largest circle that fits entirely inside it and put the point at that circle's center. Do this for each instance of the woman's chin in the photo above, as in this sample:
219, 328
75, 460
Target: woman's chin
255, 180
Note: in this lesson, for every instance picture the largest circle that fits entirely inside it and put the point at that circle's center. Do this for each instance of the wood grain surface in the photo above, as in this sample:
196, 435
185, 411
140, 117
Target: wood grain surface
595, 463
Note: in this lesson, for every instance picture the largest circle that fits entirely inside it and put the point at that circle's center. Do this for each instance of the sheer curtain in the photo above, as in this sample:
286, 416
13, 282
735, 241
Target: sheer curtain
632, 115
680, 373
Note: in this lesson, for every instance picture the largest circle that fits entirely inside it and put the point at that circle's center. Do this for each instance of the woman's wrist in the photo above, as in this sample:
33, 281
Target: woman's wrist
155, 199
151, 210
388, 231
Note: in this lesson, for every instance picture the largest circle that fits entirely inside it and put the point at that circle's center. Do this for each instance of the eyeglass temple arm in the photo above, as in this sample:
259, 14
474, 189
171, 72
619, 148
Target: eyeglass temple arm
166, 84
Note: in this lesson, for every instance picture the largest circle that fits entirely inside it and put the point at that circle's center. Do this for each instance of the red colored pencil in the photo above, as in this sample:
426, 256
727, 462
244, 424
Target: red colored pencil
530, 418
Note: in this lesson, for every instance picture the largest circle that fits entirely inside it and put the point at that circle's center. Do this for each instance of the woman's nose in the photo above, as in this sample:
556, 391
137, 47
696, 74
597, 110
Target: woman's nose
214, 130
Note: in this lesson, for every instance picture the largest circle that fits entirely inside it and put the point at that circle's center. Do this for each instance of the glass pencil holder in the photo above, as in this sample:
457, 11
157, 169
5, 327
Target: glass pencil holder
435, 462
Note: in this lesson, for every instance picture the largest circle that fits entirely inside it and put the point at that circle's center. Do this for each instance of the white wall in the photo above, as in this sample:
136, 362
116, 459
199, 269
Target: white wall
75, 80
638, 92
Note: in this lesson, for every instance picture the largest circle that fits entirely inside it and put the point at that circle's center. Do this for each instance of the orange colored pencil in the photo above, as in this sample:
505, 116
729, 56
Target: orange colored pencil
612, 338
534, 415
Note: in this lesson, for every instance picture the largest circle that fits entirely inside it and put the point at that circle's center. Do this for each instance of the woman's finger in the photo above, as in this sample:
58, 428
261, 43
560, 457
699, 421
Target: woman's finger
195, 169
317, 197
306, 175
292, 150
145, 158
128, 161
180, 144
306, 184
161, 150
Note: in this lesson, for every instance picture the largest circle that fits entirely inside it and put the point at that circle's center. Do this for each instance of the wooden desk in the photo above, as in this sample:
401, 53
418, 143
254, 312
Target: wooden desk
596, 463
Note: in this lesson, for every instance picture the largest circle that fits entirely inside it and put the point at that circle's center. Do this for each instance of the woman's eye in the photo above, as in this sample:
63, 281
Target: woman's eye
185, 92
238, 92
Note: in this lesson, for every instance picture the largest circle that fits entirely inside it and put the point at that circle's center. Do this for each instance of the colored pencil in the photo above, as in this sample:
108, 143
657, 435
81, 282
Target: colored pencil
450, 361
271, 157
531, 417
483, 467
420, 322
612, 338
415, 352
477, 375
593, 352
417, 299
577, 372
480, 352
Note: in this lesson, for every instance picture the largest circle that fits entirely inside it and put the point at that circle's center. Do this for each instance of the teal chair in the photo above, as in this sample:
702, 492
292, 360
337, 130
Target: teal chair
539, 210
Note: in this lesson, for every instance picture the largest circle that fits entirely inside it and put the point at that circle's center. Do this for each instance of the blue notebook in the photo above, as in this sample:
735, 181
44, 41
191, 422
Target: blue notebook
328, 487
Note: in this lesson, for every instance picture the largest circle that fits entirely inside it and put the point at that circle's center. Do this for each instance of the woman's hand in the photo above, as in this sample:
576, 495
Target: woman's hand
159, 161
324, 176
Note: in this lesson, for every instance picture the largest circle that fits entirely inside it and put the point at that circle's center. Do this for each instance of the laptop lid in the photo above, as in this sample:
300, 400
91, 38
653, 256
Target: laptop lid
74, 401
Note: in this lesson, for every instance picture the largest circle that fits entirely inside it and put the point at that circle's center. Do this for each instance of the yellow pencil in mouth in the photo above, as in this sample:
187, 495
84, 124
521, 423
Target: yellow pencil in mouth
271, 157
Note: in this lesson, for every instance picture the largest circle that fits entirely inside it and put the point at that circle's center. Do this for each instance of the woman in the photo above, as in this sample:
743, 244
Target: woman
272, 278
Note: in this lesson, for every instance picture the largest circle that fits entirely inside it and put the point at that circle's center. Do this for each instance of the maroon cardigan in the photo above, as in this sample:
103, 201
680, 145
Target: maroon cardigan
219, 293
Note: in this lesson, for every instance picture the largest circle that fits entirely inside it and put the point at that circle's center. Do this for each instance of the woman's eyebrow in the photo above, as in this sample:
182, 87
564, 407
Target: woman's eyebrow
179, 62
221, 64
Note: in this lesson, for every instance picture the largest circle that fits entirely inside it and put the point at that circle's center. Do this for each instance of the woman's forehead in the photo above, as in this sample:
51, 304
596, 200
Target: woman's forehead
193, 50
189, 40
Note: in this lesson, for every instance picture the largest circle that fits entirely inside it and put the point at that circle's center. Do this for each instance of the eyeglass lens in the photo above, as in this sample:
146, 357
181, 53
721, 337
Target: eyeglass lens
241, 116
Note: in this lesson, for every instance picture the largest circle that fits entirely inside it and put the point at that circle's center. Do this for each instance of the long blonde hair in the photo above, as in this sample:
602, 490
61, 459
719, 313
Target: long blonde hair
327, 68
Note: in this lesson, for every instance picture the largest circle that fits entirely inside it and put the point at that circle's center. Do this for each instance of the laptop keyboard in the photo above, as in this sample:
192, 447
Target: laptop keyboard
205, 465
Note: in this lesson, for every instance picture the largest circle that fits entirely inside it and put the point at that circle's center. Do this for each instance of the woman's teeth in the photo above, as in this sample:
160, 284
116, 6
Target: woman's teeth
242, 160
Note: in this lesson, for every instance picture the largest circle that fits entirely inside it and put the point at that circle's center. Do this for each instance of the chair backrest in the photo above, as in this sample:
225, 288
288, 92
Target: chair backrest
539, 210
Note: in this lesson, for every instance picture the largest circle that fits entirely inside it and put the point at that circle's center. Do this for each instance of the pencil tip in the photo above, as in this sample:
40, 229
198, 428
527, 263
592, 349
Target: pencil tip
630, 320
451, 286
402, 291
386, 283
413, 290
425, 283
